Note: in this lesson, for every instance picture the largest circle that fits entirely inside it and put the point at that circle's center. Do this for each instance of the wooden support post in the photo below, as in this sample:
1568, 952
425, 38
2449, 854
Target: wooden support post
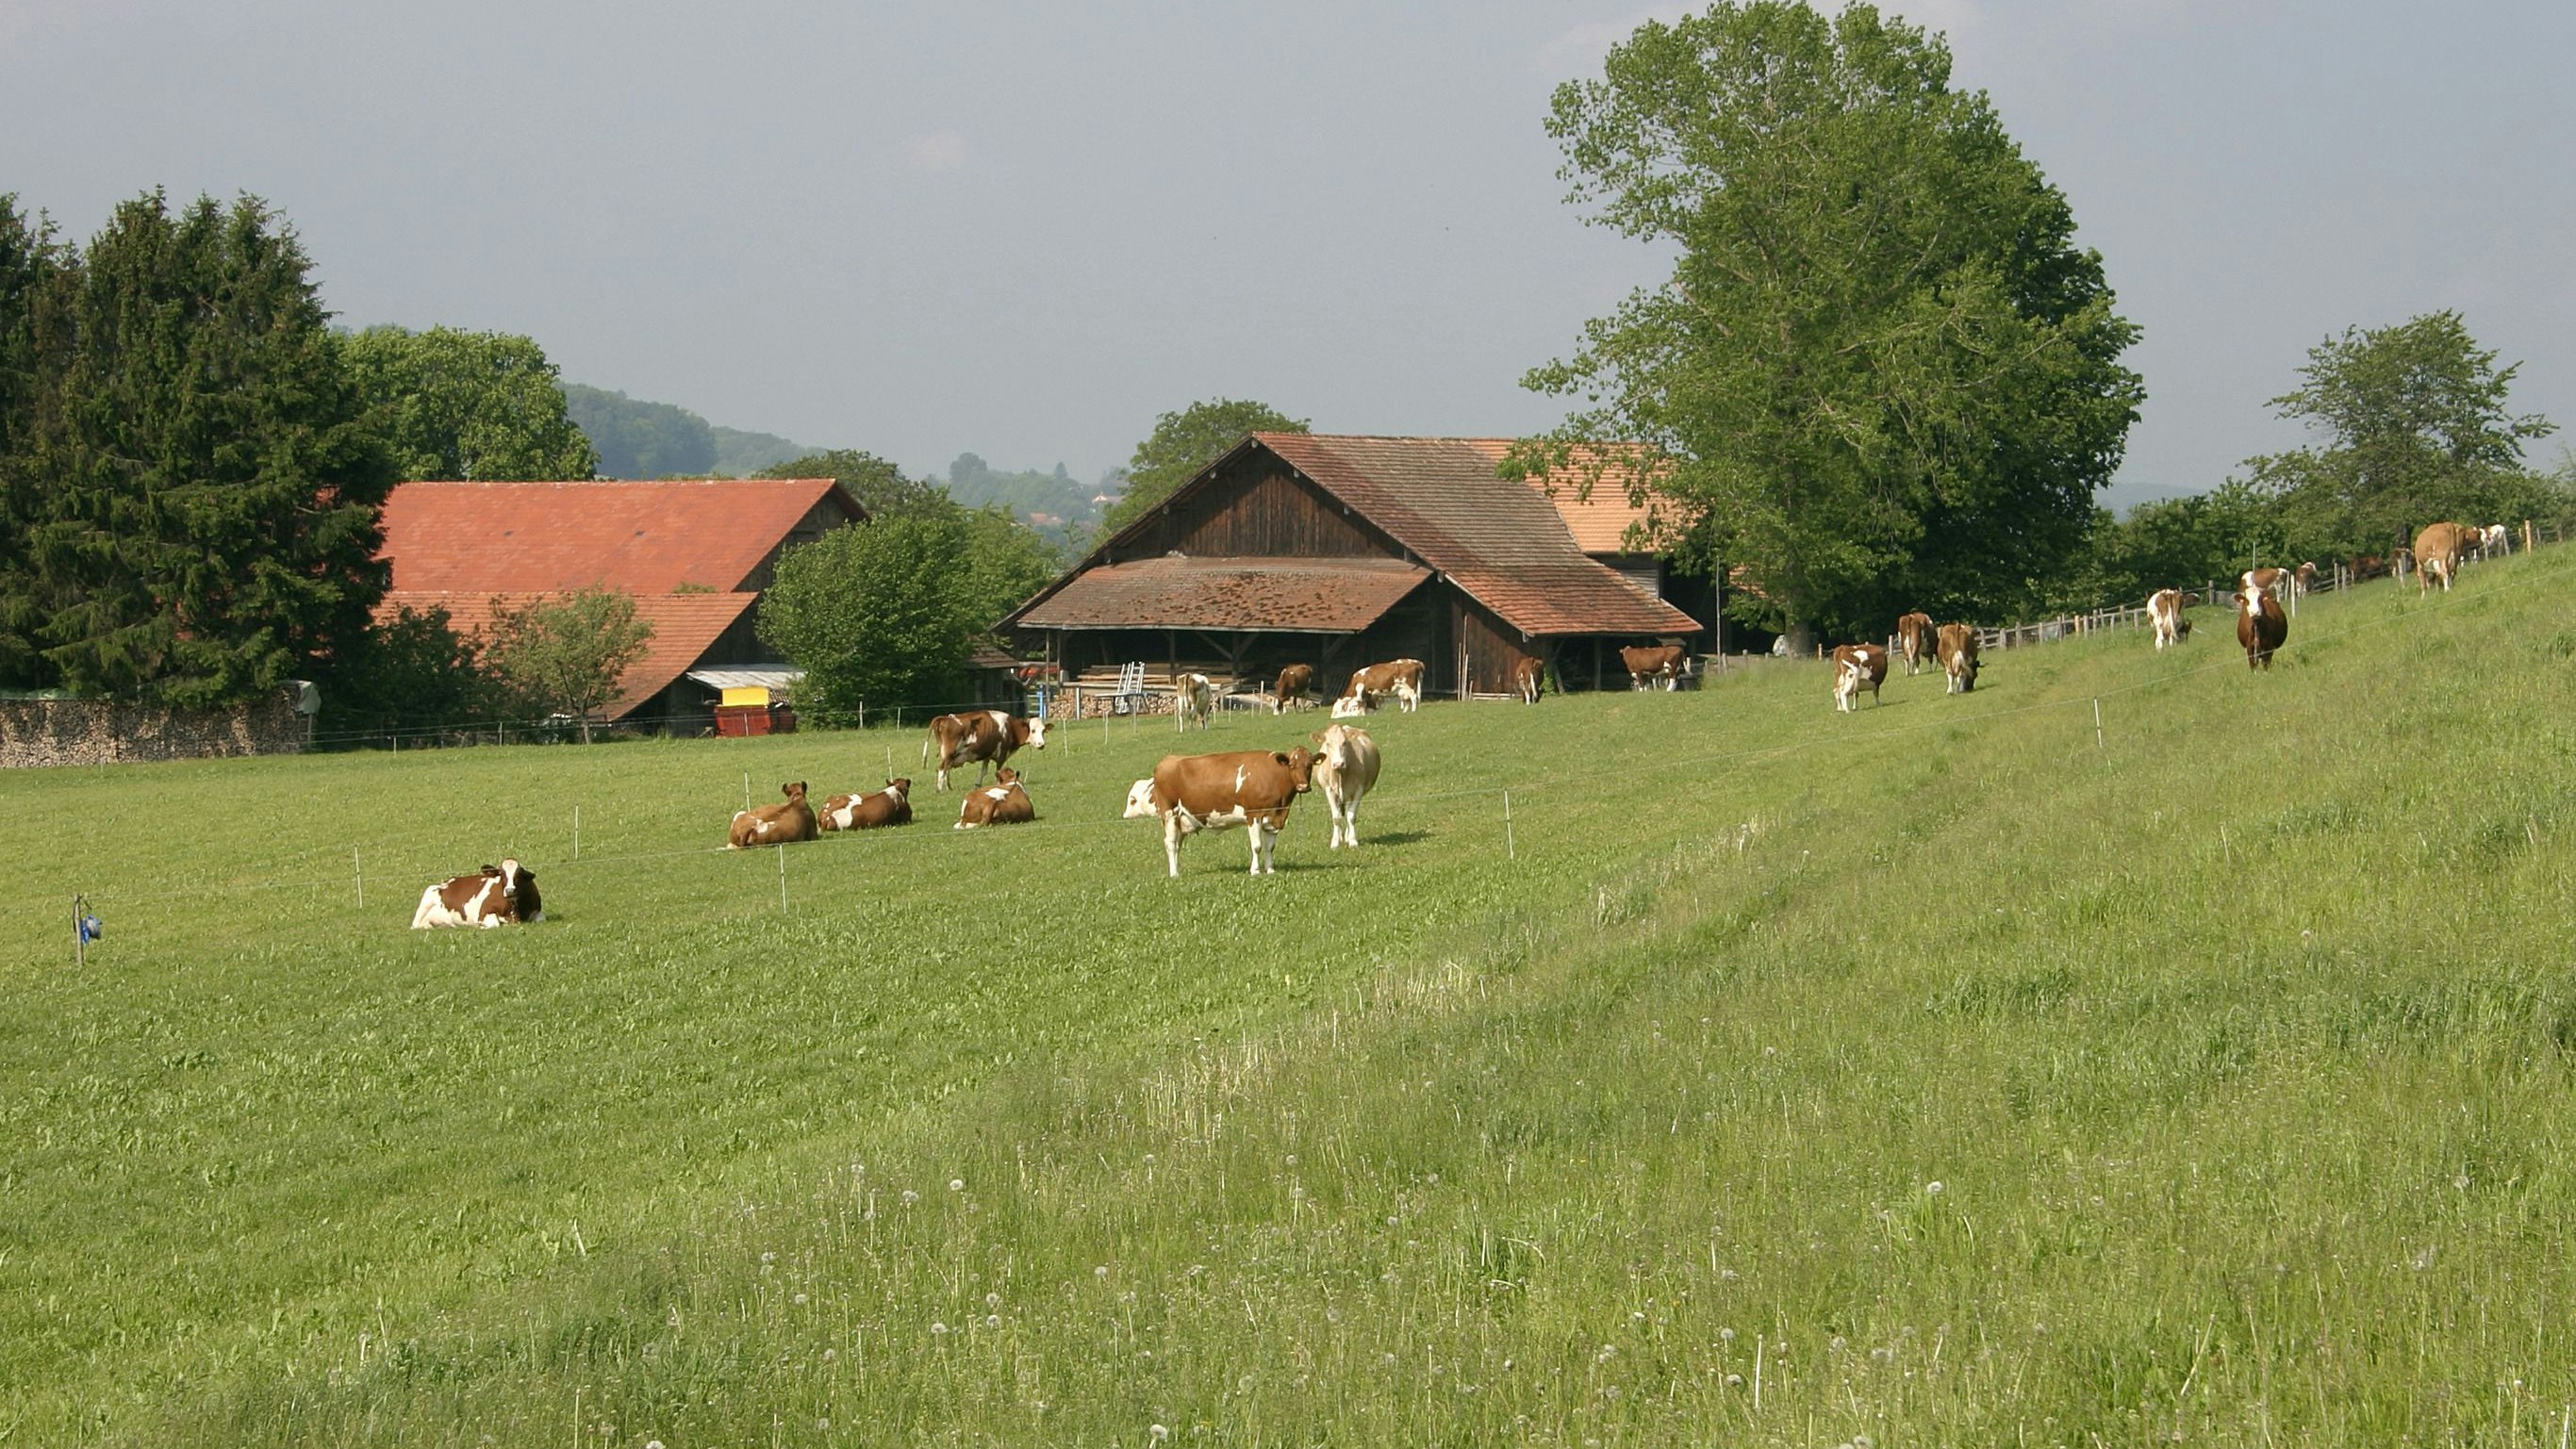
782, 878
359, 867
1510, 851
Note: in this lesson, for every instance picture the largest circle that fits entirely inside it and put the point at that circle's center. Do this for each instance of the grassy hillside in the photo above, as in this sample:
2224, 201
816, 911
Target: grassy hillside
1934, 1074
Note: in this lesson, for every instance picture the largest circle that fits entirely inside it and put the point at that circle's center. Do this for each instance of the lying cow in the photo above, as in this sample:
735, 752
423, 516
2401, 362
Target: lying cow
1004, 802
499, 895
1295, 682
1345, 770
1528, 677
2165, 611
2438, 550
786, 823
1957, 645
1650, 663
1399, 677
1914, 639
982, 737
1251, 788
889, 806
1858, 667
2260, 626
1194, 699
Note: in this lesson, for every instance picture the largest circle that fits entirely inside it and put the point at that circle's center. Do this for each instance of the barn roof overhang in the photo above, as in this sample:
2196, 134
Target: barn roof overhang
1232, 595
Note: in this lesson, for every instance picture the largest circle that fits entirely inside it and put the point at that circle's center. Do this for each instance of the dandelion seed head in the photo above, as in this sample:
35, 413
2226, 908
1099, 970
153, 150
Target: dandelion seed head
800, 1300
992, 1320
992, 1300
956, 1184
1932, 1188
910, 1197
937, 1327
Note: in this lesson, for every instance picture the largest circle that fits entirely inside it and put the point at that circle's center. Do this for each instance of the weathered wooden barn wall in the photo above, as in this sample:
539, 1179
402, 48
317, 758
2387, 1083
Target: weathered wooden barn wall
1259, 509
1492, 649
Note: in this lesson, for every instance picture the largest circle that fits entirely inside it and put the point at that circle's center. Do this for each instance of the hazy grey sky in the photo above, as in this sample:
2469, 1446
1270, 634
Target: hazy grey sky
1026, 229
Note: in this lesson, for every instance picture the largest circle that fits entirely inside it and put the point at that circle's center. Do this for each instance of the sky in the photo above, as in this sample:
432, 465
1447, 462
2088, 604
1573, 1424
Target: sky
1025, 230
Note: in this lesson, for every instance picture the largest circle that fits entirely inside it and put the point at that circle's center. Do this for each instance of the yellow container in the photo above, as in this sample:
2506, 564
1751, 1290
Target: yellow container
750, 694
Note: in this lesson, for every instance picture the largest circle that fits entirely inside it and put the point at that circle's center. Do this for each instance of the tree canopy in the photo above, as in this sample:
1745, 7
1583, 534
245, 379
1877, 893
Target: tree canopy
1184, 442
880, 486
638, 439
1880, 364
566, 653
878, 614
467, 405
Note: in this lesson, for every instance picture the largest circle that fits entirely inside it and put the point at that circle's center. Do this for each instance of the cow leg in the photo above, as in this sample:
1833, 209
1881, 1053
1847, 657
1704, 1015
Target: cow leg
1351, 822
1172, 841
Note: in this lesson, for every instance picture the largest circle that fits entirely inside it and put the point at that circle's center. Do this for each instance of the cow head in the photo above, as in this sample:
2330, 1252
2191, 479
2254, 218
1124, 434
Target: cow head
1037, 734
899, 789
1140, 801
794, 791
1301, 766
1007, 778
519, 887
1336, 750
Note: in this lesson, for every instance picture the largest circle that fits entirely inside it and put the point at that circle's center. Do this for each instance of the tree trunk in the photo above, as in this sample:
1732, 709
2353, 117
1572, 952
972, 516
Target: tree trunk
1802, 638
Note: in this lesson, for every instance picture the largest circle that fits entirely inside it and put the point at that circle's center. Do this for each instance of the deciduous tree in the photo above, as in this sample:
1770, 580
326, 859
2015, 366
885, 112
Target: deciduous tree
475, 405
1184, 442
566, 653
877, 614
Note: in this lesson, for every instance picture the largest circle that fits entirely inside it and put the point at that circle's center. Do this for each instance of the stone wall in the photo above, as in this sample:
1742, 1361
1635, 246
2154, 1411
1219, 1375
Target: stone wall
35, 732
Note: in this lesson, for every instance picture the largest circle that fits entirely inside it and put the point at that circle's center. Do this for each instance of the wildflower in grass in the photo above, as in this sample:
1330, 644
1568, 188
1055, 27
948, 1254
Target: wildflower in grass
800, 1300
1838, 1344
1159, 1432
1735, 1381
1726, 1335
831, 1355
992, 1300
910, 1197
1291, 1159
769, 1257
992, 1320
1149, 1159
956, 1184
1932, 1188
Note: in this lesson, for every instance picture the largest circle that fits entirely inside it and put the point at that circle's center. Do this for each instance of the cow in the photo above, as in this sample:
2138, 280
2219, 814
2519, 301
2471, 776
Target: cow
1399, 677
2260, 626
1529, 678
1649, 663
2369, 566
1251, 788
2165, 612
1958, 649
498, 895
1914, 639
984, 736
2495, 541
2401, 562
2437, 554
889, 806
1294, 683
1858, 667
1004, 802
786, 823
1194, 698
1354, 706
1345, 770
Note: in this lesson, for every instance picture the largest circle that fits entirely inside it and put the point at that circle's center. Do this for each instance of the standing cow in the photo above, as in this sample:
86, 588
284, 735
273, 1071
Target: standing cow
1004, 802
1399, 677
2165, 611
786, 823
2438, 550
1858, 667
1957, 646
1529, 676
499, 895
1650, 664
981, 737
1294, 682
1251, 788
1345, 770
889, 806
1194, 700
1914, 639
2260, 626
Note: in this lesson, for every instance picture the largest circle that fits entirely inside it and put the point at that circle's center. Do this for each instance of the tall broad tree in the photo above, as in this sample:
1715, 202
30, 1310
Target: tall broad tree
1184, 442
1880, 364
207, 482
468, 405
2413, 429
878, 614
567, 653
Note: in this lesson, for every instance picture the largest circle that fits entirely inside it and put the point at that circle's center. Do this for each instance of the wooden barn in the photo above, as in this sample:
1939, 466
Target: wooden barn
1340, 551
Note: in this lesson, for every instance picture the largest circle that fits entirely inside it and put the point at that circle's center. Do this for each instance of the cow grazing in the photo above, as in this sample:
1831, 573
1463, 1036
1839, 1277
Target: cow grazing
2438, 550
785, 823
1004, 802
1399, 677
1858, 667
2495, 541
2260, 626
1295, 682
1529, 677
1194, 700
498, 895
1914, 639
1251, 788
1345, 770
2165, 612
889, 806
980, 737
1650, 664
1958, 650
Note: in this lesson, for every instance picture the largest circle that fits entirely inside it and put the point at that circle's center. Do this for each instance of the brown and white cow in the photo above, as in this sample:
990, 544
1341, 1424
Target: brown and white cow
1295, 682
2260, 626
1529, 679
498, 895
1251, 788
1914, 640
889, 806
1649, 664
2165, 612
2438, 550
980, 737
1004, 802
1345, 770
785, 823
1957, 646
2495, 541
1194, 700
1858, 667
1399, 677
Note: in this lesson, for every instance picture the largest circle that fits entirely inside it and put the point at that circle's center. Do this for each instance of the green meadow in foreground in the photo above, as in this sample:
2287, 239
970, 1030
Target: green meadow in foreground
1932, 1074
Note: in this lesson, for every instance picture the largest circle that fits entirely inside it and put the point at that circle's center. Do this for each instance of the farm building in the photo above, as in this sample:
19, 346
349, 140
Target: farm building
694, 553
1341, 551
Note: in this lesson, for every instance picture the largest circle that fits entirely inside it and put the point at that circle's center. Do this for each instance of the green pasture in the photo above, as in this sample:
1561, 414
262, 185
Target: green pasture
1935, 1074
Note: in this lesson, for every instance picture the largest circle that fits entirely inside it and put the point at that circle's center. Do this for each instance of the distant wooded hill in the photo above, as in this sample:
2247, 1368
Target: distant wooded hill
639, 439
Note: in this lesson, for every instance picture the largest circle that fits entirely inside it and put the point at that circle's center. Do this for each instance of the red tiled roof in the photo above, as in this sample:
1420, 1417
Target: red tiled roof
1601, 523
684, 626
647, 538
1503, 542
1294, 595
